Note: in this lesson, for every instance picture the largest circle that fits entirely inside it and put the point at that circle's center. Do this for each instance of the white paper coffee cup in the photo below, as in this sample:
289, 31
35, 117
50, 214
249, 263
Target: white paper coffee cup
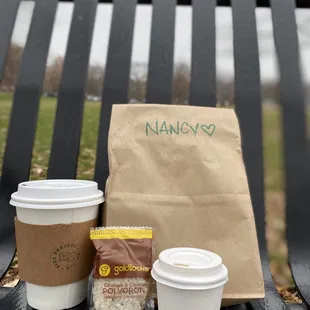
51, 202
189, 279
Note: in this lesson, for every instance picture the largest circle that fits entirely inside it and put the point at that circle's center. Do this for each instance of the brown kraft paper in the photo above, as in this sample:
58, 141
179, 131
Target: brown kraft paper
179, 169
53, 255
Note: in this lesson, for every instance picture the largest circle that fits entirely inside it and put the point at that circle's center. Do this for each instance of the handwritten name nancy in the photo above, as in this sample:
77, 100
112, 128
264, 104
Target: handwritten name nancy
179, 128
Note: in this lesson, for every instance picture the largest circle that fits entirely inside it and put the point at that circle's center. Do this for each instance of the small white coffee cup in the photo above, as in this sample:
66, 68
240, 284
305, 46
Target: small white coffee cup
51, 202
189, 279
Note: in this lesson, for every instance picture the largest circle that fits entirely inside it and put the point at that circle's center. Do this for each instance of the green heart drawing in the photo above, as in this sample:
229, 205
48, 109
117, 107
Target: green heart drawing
208, 129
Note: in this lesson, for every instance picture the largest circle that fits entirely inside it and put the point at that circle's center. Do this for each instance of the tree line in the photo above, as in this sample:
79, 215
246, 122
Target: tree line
137, 84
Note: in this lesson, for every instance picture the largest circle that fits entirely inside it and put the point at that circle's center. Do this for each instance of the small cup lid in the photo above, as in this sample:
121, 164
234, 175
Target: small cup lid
190, 268
51, 194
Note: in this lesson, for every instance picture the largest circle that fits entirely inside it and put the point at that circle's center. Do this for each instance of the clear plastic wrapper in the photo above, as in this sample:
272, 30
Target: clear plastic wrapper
121, 275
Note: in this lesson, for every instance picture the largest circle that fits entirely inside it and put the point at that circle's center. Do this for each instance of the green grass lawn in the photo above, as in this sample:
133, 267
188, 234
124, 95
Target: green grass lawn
272, 140
273, 155
44, 136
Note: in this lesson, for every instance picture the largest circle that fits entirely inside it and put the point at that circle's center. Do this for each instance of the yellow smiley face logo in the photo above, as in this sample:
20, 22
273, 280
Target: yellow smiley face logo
104, 270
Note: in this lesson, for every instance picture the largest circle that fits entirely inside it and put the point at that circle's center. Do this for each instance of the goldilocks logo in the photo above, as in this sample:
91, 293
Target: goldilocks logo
105, 269
128, 268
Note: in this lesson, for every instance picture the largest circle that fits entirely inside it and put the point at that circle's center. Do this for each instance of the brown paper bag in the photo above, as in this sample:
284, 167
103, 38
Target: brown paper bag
179, 169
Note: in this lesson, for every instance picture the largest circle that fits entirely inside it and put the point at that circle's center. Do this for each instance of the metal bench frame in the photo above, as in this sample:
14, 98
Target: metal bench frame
66, 138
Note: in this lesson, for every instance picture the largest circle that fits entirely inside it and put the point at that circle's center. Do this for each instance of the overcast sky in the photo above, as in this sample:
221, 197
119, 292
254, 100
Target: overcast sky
182, 31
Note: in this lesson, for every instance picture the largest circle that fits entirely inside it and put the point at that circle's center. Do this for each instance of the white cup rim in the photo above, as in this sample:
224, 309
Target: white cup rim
210, 273
56, 194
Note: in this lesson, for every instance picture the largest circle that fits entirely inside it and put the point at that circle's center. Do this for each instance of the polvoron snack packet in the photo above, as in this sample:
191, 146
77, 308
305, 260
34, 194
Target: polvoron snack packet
123, 262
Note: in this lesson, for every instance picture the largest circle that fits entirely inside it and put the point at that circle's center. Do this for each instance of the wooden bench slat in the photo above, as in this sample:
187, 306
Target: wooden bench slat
249, 111
116, 81
69, 114
296, 150
203, 64
18, 152
8, 12
160, 73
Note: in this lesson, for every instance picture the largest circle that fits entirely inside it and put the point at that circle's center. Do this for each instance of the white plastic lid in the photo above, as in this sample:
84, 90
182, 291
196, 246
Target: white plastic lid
56, 194
190, 268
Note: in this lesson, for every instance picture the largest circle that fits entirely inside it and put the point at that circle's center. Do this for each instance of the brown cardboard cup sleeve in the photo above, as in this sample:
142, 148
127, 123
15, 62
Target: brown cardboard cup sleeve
54, 255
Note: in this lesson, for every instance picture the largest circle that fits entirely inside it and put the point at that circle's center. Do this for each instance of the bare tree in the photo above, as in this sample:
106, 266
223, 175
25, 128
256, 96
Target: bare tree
53, 76
95, 80
137, 85
12, 67
181, 84
225, 90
